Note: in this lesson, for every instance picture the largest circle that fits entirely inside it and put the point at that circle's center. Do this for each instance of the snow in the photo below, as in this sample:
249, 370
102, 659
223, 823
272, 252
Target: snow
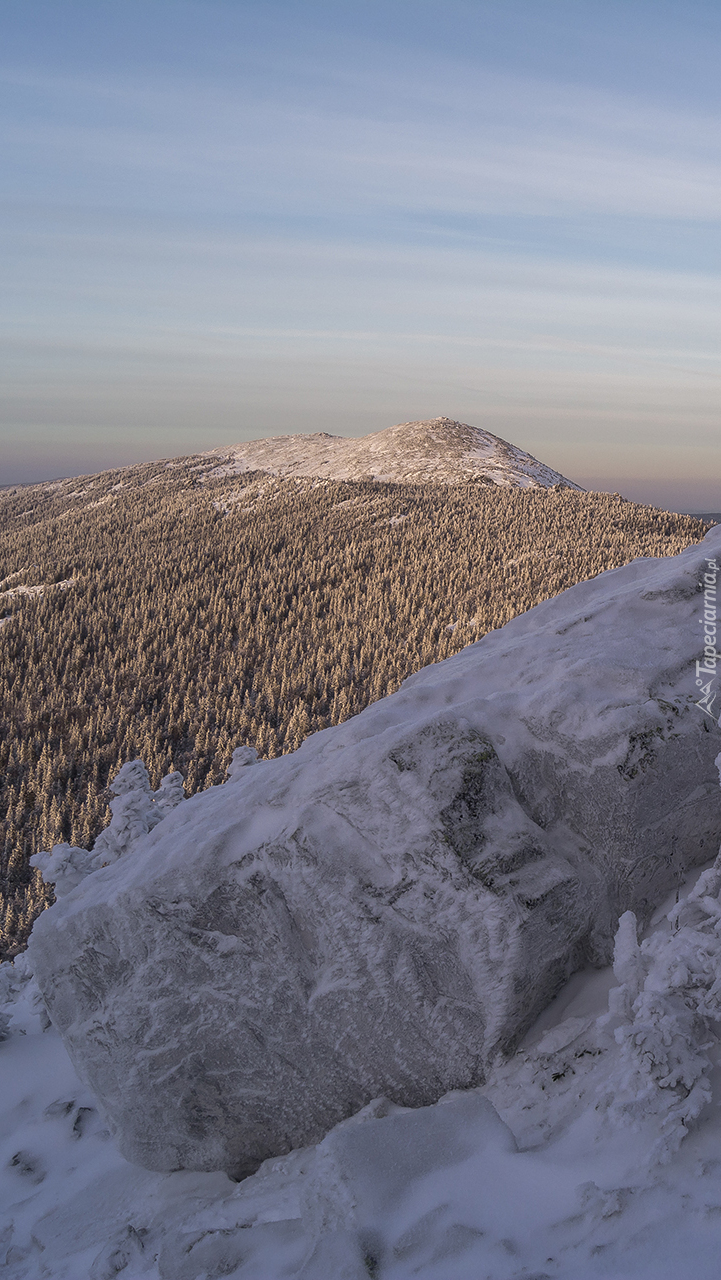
17, 574
532, 1176
23, 590
438, 450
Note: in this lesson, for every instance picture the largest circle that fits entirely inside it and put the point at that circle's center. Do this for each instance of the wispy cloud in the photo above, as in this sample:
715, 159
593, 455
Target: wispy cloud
435, 139
338, 238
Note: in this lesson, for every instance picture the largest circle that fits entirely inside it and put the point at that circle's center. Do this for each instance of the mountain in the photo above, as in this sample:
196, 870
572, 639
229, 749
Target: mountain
409, 453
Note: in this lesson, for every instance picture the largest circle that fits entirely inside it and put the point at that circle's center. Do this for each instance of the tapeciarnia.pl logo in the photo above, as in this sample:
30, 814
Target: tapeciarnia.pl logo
707, 669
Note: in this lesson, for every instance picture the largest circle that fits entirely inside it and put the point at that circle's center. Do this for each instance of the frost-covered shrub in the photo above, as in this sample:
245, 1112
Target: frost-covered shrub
628, 969
135, 811
663, 1015
14, 975
665, 1012
242, 757
169, 794
64, 866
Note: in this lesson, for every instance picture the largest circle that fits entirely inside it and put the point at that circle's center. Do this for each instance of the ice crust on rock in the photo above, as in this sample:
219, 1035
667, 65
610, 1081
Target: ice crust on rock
385, 910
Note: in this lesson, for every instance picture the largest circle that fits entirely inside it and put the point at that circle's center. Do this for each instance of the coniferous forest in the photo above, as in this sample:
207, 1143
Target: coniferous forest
158, 612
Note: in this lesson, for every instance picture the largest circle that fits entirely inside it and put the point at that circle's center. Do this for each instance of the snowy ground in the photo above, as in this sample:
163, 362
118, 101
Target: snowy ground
580, 1171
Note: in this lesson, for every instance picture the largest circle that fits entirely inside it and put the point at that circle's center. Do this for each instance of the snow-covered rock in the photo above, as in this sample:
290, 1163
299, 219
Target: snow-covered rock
384, 910
565, 1184
438, 449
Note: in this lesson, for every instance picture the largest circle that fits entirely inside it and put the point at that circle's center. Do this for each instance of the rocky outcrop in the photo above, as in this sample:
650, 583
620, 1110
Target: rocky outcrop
386, 909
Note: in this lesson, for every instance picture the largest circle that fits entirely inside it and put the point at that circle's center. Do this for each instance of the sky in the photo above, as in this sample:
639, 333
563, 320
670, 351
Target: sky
225, 219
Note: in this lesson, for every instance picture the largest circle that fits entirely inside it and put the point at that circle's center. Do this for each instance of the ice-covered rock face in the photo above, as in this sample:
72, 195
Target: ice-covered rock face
387, 908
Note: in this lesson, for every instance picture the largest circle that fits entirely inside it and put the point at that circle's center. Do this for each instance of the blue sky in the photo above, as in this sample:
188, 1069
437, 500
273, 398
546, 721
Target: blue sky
223, 220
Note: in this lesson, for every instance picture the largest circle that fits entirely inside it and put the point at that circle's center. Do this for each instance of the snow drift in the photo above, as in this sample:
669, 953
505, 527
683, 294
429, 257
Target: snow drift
387, 909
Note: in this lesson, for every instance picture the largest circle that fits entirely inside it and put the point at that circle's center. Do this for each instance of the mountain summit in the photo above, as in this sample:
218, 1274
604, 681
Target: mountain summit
438, 450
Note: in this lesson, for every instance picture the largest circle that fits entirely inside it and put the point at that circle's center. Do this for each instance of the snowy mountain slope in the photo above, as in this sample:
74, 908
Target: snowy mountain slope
386, 908
554, 1184
411, 452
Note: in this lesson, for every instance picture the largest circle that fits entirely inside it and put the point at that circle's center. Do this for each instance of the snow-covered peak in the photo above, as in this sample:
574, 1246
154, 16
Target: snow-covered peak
438, 449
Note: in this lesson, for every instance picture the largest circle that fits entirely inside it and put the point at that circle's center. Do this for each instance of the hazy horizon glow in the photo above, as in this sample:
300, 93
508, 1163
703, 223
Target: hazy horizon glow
230, 220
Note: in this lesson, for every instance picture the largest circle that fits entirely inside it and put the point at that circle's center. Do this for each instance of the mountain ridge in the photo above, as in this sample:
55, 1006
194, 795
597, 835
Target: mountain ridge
434, 450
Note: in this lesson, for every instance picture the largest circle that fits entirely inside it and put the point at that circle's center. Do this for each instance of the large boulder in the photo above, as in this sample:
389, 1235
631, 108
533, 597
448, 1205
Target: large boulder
389, 907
